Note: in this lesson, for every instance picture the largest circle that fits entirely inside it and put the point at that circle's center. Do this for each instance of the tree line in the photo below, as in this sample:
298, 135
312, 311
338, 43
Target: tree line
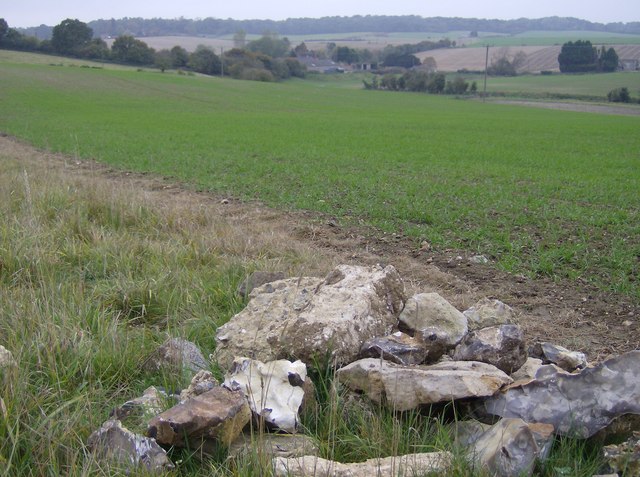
268, 58
141, 27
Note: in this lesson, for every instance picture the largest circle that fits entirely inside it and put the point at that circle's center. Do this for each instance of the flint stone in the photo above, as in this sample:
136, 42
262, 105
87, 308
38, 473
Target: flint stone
308, 317
121, 447
6, 358
502, 346
176, 355
202, 382
218, 414
257, 279
528, 370
511, 447
624, 458
273, 445
399, 348
137, 412
410, 464
555, 354
488, 312
575, 404
408, 387
274, 390
433, 319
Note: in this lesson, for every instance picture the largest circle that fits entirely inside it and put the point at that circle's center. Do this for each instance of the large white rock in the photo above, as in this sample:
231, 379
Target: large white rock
407, 387
575, 404
308, 318
487, 312
274, 389
406, 465
434, 319
503, 346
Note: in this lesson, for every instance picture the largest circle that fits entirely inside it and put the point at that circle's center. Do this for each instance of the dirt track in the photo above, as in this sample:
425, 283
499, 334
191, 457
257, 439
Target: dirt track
571, 314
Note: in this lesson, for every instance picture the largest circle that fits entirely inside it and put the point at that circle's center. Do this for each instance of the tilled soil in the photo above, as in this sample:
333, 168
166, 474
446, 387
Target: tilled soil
572, 314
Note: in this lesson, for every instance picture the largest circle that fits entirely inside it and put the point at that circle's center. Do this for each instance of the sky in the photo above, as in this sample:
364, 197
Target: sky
28, 13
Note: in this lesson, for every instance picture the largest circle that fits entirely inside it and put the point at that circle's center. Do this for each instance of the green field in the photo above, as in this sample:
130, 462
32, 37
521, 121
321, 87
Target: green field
542, 192
543, 38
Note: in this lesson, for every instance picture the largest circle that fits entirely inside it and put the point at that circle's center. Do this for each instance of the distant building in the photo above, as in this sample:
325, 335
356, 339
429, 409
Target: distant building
630, 65
320, 65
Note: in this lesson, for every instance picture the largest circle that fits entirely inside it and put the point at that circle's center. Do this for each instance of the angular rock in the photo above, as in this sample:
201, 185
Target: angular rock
119, 446
306, 318
624, 458
273, 445
408, 387
135, 414
218, 414
406, 465
502, 346
399, 348
275, 390
202, 382
555, 354
434, 320
176, 355
6, 358
528, 370
488, 312
511, 447
257, 279
575, 404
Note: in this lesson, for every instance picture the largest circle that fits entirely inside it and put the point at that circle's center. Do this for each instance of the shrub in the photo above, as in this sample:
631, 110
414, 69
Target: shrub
619, 95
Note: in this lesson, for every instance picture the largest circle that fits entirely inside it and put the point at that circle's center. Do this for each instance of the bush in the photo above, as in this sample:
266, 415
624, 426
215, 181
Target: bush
619, 95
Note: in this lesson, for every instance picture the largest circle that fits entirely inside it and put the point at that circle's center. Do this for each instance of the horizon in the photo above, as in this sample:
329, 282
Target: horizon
34, 13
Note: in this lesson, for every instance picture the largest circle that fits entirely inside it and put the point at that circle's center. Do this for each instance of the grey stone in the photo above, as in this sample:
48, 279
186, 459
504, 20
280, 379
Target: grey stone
398, 348
555, 354
528, 370
274, 390
273, 445
406, 465
202, 382
218, 414
488, 312
511, 447
408, 387
257, 279
121, 447
575, 404
176, 355
308, 317
502, 346
434, 320
624, 458
135, 414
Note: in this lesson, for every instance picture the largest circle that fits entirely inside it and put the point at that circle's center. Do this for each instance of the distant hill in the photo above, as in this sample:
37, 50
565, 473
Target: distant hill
141, 27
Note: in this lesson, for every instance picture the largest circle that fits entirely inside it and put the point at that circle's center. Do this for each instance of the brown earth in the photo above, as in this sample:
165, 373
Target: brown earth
572, 314
582, 107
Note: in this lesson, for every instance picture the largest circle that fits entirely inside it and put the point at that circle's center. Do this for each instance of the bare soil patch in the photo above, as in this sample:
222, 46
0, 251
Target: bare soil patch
571, 314
624, 110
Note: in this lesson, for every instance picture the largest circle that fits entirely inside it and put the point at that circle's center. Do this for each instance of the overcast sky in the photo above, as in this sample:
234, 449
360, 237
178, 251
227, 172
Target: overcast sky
26, 13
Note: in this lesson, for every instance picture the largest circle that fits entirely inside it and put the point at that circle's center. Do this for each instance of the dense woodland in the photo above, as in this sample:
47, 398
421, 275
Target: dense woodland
307, 26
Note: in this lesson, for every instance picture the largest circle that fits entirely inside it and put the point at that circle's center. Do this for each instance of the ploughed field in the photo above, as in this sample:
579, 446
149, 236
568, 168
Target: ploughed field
538, 192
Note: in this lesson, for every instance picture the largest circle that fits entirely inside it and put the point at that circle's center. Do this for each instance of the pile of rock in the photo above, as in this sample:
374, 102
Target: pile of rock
401, 352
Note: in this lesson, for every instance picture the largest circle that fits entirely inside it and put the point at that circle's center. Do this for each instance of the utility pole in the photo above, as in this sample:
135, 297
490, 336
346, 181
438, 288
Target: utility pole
486, 65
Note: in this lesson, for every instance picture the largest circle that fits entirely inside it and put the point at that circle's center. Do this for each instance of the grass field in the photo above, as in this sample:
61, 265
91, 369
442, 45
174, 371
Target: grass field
543, 192
546, 38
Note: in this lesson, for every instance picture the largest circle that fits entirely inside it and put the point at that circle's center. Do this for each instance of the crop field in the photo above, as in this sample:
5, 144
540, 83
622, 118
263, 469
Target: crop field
541, 38
544, 193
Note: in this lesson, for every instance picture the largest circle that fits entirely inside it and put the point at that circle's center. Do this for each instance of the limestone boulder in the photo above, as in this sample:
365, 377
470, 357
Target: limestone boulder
274, 390
624, 458
306, 318
257, 279
399, 348
273, 445
502, 346
578, 404
177, 355
202, 382
135, 414
408, 387
431, 318
488, 312
218, 414
120, 447
528, 370
410, 464
562, 357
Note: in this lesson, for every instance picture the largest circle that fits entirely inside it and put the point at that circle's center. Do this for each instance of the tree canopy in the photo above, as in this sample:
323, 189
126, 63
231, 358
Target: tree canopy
581, 56
70, 37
